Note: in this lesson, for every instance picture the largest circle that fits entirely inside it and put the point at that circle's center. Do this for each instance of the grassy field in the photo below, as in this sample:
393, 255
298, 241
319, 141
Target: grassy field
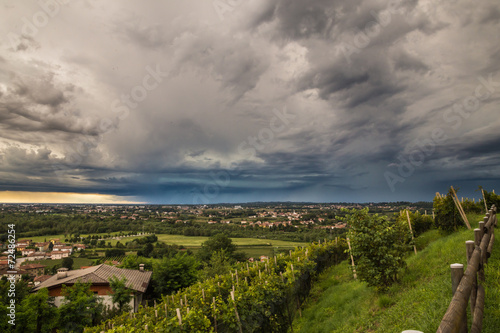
418, 301
77, 262
254, 247
196, 241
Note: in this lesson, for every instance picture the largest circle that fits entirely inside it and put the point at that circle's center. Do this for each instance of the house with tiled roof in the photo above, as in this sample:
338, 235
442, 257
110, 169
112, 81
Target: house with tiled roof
42, 246
98, 276
38, 256
7, 272
34, 269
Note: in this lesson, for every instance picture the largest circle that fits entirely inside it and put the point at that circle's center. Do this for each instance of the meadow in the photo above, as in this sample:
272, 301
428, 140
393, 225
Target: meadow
338, 303
253, 247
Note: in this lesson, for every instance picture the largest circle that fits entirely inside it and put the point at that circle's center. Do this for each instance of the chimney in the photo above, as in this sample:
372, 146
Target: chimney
141, 267
62, 273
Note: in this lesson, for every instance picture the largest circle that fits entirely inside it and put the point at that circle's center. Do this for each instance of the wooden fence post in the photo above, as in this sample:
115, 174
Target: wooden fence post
477, 237
409, 224
484, 199
457, 272
352, 259
469, 245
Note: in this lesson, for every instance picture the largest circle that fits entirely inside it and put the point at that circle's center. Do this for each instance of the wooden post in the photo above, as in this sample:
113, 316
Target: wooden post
236, 312
469, 245
484, 199
457, 271
477, 237
409, 224
179, 316
460, 209
352, 259
215, 315
481, 228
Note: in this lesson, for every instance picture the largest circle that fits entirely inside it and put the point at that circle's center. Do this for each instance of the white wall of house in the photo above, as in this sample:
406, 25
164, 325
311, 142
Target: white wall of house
107, 300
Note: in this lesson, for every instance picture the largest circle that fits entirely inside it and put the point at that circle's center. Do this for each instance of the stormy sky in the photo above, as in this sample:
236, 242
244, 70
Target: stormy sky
249, 100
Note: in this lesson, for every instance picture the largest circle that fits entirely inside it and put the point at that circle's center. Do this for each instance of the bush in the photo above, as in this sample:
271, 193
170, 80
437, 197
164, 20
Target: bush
447, 217
114, 253
419, 223
378, 246
492, 199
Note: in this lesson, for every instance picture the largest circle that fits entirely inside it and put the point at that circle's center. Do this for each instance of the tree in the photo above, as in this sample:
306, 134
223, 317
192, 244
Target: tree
219, 263
146, 250
172, 274
133, 261
81, 308
378, 246
37, 314
68, 263
121, 294
216, 243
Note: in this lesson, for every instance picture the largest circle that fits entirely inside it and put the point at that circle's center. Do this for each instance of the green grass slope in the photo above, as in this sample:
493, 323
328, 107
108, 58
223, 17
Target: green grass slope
418, 301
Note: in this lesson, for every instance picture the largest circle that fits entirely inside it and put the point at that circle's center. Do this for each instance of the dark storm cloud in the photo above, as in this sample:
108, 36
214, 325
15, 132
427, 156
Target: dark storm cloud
82, 110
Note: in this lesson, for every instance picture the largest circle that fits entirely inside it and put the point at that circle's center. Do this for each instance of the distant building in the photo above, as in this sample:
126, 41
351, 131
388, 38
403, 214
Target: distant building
5, 271
42, 246
98, 276
79, 247
38, 256
54, 255
27, 252
34, 269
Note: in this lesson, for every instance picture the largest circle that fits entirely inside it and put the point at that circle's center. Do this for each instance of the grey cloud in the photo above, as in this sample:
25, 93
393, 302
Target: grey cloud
148, 36
353, 118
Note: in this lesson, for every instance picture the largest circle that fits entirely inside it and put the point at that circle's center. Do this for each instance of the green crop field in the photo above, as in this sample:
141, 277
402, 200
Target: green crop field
253, 247
196, 241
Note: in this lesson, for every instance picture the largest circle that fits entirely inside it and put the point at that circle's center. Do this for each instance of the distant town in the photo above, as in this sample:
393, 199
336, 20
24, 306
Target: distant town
51, 236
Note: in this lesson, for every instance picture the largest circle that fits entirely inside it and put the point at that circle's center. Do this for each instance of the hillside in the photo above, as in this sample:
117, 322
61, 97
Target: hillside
418, 301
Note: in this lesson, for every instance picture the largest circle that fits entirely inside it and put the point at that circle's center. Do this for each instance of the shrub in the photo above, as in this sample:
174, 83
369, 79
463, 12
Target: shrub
447, 217
492, 199
378, 246
419, 223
